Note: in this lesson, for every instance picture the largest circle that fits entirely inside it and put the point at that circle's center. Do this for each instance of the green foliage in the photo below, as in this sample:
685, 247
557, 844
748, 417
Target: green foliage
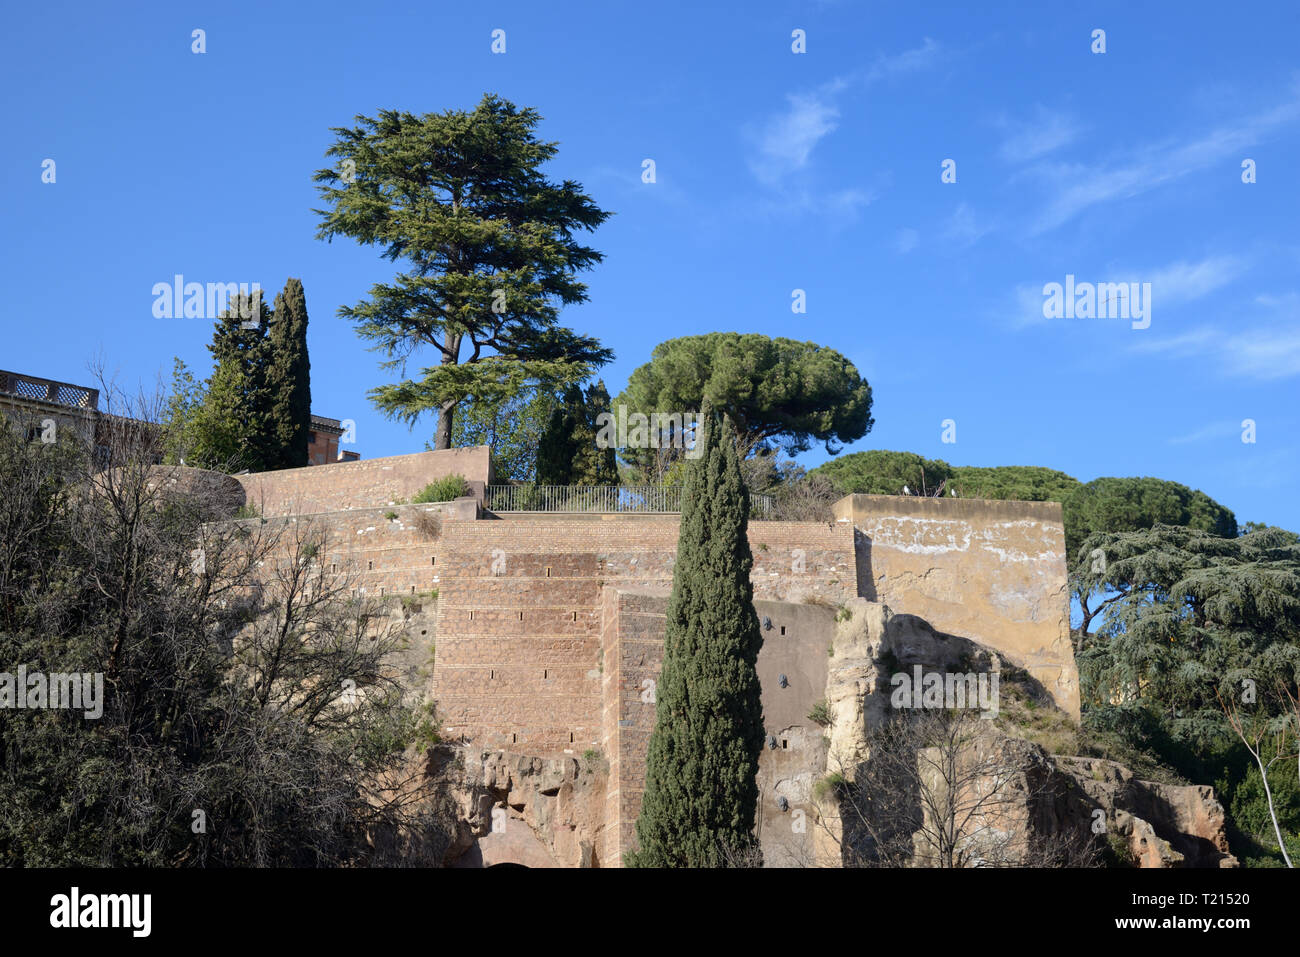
776, 392
445, 489
254, 410
1117, 852
1131, 504
1249, 805
427, 728
832, 785
567, 453
418, 600
1191, 615
491, 248
288, 381
1020, 483
701, 791
881, 472
213, 698
512, 426
180, 417
1189, 620
820, 713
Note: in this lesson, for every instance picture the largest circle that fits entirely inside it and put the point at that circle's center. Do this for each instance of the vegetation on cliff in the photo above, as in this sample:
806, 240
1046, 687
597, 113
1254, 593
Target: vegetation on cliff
238, 724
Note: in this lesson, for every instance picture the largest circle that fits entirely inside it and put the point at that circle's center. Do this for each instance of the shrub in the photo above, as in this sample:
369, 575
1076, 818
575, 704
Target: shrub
443, 490
820, 713
830, 786
428, 524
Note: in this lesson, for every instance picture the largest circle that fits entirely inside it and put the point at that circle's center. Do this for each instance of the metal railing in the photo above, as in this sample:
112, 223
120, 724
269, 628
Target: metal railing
598, 498
48, 390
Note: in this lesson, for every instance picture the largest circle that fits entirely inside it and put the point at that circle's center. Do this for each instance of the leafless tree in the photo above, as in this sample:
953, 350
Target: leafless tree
807, 498
1266, 740
941, 788
252, 715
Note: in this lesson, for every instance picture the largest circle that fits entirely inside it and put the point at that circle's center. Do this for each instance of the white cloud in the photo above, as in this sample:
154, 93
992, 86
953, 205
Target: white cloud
1268, 350
1153, 165
1047, 133
1184, 282
1177, 282
1215, 430
909, 61
789, 138
908, 240
785, 143
963, 228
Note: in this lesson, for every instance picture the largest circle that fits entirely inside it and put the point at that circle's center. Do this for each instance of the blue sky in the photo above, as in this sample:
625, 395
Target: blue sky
776, 171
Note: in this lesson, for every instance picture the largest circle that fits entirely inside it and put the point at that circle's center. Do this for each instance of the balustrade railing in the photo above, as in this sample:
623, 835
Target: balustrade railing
598, 498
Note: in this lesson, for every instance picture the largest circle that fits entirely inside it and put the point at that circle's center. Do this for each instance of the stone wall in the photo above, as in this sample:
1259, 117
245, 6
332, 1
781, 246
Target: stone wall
990, 571
550, 625
363, 484
521, 614
796, 641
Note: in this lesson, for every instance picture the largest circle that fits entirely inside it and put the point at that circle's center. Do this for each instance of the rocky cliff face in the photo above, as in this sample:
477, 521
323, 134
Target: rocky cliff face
523, 810
1016, 803
1160, 825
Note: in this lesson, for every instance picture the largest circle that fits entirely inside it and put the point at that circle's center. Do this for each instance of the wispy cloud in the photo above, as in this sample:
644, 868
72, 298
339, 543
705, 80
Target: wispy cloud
963, 227
1185, 282
907, 240
784, 143
1215, 430
788, 139
1154, 165
901, 64
1030, 140
1267, 350
1173, 284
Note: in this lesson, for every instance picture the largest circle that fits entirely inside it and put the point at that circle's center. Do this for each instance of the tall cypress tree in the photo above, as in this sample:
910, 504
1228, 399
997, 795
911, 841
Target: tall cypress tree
557, 447
593, 465
232, 423
567, 453
289, 381
701, 789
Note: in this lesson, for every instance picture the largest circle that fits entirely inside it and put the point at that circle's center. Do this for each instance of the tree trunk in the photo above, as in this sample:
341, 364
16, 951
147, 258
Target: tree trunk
442, 435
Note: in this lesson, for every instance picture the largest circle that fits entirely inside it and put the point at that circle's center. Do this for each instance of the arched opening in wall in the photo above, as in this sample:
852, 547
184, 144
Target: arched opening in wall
522, 867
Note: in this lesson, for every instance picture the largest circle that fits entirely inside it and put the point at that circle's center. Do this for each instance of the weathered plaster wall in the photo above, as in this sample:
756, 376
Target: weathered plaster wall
990, 571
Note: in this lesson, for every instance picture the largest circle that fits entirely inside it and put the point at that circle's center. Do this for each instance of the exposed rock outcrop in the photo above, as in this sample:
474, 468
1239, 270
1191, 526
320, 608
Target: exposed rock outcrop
1018, 804
1164, 825
524, 810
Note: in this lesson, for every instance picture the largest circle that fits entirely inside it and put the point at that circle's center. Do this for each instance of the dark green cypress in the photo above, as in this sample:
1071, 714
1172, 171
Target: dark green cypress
593, 465
556, 449
234, 420
289, 381
567, 453
701, 789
